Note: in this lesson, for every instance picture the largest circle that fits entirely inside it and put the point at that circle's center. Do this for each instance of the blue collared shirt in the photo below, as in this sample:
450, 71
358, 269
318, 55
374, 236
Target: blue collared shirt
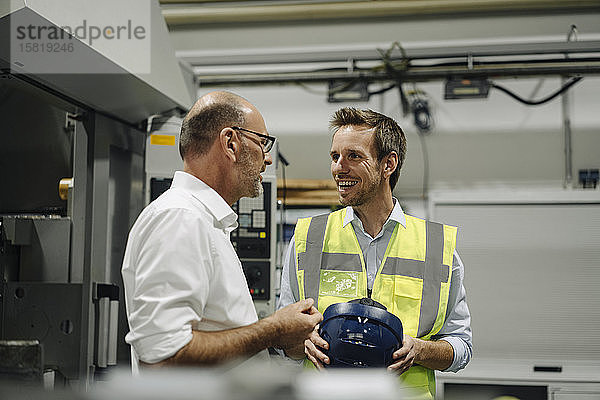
457, 327
374, 248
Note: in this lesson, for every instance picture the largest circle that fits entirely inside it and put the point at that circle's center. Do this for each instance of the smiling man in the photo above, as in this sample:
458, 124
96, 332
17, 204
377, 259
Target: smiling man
186, 296
403, 262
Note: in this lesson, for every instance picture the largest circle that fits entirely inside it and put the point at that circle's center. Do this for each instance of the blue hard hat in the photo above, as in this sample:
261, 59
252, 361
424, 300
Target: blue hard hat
360, 333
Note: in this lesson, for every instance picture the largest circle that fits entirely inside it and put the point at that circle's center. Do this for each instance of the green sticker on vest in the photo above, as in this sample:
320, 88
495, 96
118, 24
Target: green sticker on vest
339, 283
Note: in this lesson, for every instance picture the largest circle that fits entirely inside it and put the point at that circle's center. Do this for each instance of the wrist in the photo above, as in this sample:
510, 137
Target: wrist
272, 331
294, 352
419, 350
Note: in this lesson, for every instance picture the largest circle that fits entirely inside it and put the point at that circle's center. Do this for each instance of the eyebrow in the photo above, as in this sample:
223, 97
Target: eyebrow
349, 151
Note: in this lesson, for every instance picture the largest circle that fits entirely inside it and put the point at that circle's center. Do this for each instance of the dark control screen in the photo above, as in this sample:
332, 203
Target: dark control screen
158, 186
252, 239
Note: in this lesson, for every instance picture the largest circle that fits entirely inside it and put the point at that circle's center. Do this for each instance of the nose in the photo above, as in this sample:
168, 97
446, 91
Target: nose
268, 159
338, 166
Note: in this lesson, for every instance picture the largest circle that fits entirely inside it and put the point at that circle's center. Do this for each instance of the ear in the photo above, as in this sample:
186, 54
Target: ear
229, 143
390, 163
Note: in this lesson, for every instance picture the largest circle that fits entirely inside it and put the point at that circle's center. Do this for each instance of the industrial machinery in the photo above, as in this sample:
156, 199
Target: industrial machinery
254, 239
71, 164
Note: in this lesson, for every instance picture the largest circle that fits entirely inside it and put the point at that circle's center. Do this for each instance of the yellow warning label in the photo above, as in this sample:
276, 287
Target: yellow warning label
162, 140
263, 235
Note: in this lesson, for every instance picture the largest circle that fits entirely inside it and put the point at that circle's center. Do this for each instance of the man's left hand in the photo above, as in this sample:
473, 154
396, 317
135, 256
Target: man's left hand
406, 356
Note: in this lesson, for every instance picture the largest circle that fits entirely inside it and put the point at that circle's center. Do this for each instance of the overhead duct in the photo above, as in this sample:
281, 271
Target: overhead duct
188, 12
93, 76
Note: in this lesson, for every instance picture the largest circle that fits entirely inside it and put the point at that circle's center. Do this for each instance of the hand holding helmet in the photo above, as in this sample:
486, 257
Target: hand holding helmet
360, 333
406, 356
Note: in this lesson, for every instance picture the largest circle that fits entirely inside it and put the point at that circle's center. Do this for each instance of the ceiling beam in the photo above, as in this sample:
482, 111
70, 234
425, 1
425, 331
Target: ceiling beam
198, 12
370, 52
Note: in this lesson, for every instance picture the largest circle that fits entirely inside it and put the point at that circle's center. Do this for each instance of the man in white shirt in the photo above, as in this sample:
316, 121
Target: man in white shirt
186, 295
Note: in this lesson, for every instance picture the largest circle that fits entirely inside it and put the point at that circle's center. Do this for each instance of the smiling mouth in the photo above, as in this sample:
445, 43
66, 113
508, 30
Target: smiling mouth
346, 184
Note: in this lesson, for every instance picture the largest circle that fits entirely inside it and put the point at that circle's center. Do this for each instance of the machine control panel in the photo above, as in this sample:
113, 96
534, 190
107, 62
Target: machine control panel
258, 278
252, 239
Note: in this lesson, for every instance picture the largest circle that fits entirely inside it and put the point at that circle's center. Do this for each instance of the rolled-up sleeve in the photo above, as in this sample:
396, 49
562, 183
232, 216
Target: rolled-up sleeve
457, 327
289, 284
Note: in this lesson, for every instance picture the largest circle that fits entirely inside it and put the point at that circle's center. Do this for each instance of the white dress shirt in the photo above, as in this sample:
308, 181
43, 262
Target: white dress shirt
457, 327
181, 271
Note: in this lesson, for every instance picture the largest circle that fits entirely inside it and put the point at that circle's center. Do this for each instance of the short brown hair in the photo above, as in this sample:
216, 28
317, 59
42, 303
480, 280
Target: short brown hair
201, 127
388, 134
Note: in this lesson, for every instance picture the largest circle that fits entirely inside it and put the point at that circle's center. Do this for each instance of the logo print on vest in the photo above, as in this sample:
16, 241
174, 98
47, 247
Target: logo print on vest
339, 283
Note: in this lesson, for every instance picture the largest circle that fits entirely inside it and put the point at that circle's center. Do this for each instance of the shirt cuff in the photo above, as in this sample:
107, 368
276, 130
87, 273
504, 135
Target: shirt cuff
158, 347
462, 353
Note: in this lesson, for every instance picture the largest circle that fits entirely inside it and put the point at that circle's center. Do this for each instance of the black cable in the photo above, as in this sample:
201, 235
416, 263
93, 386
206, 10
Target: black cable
424, 123
546, 99
284, 163
403, 100
425, 166
343, 87
283, 159
383, 90
422, 116
396, 73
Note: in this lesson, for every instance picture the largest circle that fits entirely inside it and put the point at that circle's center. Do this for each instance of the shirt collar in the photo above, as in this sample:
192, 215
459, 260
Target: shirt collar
397, 215
214, 203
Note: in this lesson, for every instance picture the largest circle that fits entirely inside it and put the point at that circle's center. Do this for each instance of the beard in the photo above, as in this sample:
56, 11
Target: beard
363, 195
250, 183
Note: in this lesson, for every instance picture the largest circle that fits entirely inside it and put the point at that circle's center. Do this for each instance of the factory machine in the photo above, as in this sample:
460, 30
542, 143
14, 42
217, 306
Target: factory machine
254, 239
72, 176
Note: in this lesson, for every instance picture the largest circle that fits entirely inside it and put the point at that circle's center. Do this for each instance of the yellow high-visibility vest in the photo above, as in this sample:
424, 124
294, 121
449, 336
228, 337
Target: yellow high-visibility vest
413, 280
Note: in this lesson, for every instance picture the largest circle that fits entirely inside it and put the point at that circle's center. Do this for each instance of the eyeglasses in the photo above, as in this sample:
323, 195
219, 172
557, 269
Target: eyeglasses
266, 142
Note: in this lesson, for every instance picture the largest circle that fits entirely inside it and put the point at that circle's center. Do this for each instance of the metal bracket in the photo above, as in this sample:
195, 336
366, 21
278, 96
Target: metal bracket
70, 120
106, 296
